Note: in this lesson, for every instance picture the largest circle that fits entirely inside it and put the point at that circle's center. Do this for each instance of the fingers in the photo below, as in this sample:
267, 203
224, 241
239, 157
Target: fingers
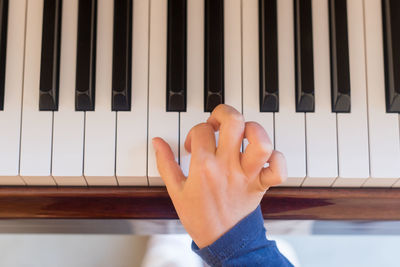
258, 151
201, 138
168, 168
230, 124
276, 173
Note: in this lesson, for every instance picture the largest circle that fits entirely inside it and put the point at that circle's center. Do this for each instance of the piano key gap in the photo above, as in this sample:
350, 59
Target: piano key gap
22, 94
305, 149
366, 88
83, 152
51, 150
148, 89
115, 147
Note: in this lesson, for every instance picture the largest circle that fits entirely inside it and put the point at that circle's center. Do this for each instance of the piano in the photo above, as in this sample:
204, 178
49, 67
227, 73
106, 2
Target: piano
86, 84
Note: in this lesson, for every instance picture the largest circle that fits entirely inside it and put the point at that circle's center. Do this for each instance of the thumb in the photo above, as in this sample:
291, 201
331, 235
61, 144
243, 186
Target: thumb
168, 168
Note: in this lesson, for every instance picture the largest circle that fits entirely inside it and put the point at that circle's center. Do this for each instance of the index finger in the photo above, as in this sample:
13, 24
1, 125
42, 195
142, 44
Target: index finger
230, 124
200, 138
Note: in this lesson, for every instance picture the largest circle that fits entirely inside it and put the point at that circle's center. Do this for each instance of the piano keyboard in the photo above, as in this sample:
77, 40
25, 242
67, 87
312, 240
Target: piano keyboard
86, 84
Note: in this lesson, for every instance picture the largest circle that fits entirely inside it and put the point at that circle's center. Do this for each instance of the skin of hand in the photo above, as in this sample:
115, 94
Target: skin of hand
223, 185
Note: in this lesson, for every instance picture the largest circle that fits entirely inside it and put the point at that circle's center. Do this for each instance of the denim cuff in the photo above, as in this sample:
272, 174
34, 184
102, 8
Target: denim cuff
231, 244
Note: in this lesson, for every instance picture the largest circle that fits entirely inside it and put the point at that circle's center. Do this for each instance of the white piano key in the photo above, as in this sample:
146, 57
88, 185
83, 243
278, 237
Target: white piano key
251, 79
99, 157
321, 137
68, 129
195, 77
10, 117
396, 184
131, 155
232, 59
384, 143
37, 126
161, 123
233, 53
289, 125
353, 127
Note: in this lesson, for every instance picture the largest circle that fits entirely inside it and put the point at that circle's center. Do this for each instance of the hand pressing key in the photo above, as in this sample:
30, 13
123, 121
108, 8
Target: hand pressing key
224, 185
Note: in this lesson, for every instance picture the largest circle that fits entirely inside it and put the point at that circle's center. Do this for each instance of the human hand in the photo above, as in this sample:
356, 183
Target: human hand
223, 185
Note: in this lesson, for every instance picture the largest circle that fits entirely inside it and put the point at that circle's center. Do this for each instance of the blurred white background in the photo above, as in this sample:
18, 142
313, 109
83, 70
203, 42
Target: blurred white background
316, 244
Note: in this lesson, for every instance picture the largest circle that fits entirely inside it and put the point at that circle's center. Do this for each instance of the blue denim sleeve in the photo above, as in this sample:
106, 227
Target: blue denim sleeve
244, 245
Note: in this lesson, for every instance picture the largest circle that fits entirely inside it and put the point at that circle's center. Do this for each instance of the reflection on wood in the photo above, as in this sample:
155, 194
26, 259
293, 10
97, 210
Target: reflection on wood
154, 203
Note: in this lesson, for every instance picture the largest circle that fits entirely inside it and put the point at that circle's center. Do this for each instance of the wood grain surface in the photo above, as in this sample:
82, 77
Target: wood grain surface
154, 203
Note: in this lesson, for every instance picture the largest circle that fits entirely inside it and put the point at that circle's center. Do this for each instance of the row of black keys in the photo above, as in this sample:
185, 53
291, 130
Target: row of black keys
214, 55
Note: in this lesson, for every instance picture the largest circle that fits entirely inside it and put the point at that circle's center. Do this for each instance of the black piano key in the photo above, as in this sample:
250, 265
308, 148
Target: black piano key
214, 54
391, 44
122, 56
304, 65
268, 38
3, 48
176, 56
339, 52
50, 60
86, 56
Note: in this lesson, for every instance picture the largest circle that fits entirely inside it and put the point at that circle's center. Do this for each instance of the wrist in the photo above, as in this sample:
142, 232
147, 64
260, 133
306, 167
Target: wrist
205, 232
243, 233
207, 236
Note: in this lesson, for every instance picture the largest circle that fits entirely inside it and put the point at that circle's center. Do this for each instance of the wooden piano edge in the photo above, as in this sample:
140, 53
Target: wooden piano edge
154, 203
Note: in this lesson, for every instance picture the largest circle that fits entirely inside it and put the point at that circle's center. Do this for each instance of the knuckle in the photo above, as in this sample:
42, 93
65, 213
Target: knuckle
253, 124
280, 155
208, 168
237, 120
238, 117
201, 127
266, 148
219, 108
